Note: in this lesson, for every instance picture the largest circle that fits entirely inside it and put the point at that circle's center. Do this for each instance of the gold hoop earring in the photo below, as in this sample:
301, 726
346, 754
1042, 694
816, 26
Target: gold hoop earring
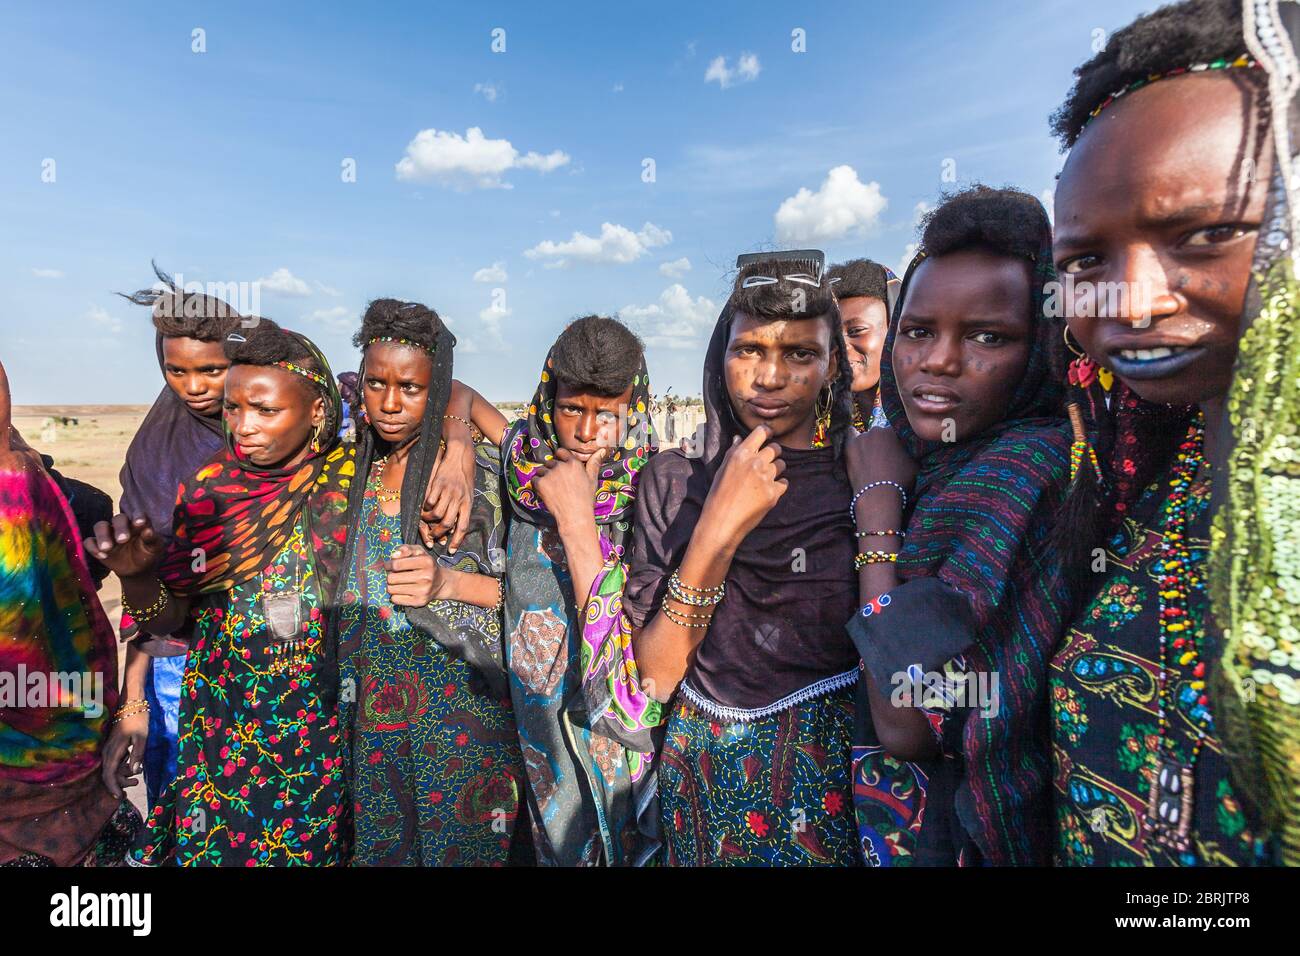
1074, 347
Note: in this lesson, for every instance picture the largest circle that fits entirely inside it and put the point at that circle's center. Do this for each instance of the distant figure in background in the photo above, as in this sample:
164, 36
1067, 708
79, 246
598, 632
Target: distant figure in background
670, 419
351, 405
181, 432
862, 288
54, 807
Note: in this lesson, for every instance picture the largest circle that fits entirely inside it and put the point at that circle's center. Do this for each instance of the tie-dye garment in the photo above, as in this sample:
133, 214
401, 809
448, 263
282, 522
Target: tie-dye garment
58, 678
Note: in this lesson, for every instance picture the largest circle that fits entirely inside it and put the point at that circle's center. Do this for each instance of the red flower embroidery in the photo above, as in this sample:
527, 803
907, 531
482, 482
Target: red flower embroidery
833, 802
757, 824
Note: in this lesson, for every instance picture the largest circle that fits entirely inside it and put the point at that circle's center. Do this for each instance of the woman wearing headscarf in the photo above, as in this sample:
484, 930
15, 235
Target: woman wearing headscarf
572, 467
740, 581
54, 807
1141, 766
963, 600
433, 759
258, 537
864, 291
181, 432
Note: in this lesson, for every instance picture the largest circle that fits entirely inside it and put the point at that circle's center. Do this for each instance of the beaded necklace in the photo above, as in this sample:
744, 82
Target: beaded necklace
1168, 816
377, 485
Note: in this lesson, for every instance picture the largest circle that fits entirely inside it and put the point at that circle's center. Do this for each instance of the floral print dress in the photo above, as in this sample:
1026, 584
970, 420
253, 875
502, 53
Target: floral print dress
434, 760
772, 790
1105, 682
259, 771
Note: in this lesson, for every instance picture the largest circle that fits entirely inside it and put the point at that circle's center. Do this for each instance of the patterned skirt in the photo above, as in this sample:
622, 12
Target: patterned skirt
434, 759
773, 791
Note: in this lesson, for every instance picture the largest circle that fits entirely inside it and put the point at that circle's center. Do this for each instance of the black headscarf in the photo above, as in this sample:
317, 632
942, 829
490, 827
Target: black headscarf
467, 644
979, 581
170, 445
791, 580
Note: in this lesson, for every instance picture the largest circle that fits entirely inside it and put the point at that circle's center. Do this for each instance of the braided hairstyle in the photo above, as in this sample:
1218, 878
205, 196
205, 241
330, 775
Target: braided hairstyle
1133, 439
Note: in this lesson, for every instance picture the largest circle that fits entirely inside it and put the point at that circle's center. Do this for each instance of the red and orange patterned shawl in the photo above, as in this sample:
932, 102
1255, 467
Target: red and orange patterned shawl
231, 520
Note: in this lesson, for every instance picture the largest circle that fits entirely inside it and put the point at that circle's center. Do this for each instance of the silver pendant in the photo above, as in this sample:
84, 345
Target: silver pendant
283, 613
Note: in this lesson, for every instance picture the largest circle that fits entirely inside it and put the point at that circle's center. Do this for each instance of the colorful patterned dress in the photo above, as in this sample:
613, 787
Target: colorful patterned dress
768, 791
1104, 696
259, 771
434, 759
58, 686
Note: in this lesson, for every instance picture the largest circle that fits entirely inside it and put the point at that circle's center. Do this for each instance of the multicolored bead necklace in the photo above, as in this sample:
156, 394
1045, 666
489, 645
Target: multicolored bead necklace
1168, 816
380, 490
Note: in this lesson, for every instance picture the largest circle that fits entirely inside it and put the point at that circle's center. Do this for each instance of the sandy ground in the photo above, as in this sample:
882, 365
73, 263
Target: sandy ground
93, 449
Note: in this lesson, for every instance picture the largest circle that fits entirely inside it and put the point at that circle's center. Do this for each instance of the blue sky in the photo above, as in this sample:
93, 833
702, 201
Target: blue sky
229, 165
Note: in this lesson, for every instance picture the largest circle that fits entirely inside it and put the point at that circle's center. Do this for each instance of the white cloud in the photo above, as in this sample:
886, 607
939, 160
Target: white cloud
675, 269
676, 321
908, 252
493, 273
614, 244
330, 291
490, 91
618, 88
842, 205
284, 282
338, 317
100, 316
472, 159
47, 273
491, 317
746, 71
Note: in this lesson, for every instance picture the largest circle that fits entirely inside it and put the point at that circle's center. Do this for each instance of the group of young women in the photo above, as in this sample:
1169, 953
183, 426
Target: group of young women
930, 585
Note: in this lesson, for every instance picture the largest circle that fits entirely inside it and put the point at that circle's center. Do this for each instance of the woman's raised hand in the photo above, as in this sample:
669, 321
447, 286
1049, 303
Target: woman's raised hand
746, 487
126, 546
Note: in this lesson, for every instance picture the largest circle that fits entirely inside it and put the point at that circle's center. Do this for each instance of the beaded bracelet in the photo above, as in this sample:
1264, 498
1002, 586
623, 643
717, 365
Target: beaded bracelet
860, 561
152, 611
853, 505
698, 617
671, 615
868, 534
691, 587
703, 597
130, 709
473, 429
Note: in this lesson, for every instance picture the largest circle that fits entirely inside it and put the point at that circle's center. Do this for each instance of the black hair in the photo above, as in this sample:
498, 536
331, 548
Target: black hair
265, 344
1007, 221
788, 299
597, 354
182, 314
1174, 36
1132, 439
859, 278
783, 299
395, 319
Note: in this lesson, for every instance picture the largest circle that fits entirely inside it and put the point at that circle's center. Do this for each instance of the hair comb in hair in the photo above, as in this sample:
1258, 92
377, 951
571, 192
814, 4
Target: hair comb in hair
813, 261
